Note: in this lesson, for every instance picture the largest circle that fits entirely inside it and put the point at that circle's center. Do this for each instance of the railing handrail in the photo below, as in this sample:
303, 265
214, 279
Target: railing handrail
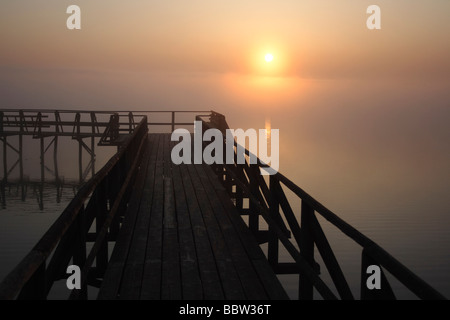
16, 279
28, 118
397, 269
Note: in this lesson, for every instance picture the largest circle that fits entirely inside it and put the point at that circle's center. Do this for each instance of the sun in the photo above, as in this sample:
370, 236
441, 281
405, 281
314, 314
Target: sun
269, 57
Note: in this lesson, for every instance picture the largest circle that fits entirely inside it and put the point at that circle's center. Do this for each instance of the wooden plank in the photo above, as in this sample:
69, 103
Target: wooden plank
166, 155
151, 280
247, 239
190, 277
171, 273
207, 267
170, 220
113, 275
246, 273
229, 276
131, 281
250, 271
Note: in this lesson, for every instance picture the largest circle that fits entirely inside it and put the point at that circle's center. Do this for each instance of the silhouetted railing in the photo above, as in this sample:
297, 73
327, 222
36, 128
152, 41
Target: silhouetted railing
110, 128
101, 199
244, 181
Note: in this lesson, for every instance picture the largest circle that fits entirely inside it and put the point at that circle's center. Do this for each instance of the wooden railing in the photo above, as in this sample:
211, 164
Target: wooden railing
102, 200
244, 181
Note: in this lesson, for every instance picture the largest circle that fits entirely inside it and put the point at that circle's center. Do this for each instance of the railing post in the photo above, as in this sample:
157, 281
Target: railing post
55, 157
130, 122
80, 147
41, 187
253, 218
307, 251
93, 120
385, 291
274, 207
22, 183
173, 121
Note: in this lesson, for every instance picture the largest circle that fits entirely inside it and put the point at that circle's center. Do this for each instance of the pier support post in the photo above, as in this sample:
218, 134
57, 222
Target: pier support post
80, 147
80, 161
5, 160
253, 219
272, 250
93, 119
55, 166
173, 121
21, 179
41, 185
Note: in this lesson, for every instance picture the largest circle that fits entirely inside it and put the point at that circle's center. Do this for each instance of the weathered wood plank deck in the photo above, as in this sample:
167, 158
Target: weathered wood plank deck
182, 238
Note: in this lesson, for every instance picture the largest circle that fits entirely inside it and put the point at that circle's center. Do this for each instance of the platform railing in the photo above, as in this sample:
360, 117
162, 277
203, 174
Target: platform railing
88, 128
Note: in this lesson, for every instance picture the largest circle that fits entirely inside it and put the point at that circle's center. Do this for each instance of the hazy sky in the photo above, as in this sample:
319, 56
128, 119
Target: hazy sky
318, 39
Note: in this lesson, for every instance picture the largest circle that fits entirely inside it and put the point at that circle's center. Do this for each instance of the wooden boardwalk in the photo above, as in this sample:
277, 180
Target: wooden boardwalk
182, 238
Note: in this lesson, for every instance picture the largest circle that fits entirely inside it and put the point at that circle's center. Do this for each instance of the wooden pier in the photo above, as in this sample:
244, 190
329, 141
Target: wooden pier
145, 228
184, 239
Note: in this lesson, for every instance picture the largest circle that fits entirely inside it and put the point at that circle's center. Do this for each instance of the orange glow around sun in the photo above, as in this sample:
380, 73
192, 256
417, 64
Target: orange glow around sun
268, 61
268, 79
